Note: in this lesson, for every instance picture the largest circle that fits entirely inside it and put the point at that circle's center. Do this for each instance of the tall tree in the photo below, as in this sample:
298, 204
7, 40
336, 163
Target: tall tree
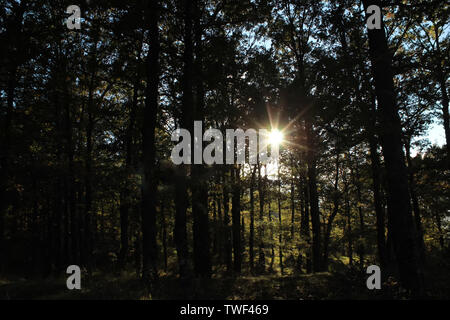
149, 186
403, 233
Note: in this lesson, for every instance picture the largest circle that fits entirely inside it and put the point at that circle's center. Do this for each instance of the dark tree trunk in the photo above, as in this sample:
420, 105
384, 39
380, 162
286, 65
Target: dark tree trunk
4, 158
313, 197
439, 226
163, 232
214, 235
305, 233
415, 200
236, 221
226, 224
376, 186
186, 122
280, 236
149, 185
125, 193
251, 240
403, 233
445, 100
446, 118
73, 221
336, 200
202, 255
86, 239
355, 180
349, 232
261, 254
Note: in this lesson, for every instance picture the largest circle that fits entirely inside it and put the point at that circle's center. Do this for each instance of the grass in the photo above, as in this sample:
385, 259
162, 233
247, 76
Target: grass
128, 286
343, 283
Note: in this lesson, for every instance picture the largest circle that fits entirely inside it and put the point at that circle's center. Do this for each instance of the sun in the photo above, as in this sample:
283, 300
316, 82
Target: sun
275, 137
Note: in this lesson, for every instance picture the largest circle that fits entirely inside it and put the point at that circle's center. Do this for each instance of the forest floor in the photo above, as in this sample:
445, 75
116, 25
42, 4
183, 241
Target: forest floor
317, 286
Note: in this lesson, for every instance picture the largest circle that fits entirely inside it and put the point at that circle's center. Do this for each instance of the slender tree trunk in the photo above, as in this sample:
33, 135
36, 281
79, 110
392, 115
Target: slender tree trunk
125, 202
349, 232
403, 233
445, 115
376, 186
280, 237
236, 220
149, 185
164, 232
272, 249
226, 224
86, 240
355, 180
261, 255
305, 224
439, 226
445, 99
202, 255
251, 239
336, 200
186, 121
292, 194
415, 200
313, 197
73, 221
180, 231
4, 158
214, 235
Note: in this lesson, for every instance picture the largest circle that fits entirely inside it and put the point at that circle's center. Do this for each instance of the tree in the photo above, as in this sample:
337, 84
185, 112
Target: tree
400, 217
150, 250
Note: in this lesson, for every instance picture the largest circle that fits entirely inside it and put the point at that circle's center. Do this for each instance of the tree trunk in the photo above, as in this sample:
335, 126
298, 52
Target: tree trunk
251, 239
445, 99
305, 221
280, 236
355, 180
313, 196
348, 232
261, 255
149, 185
186, 122
125, 191
163, 232
376, 186
86, 240
445, 115
226, 224
236, 220
199, 187
415, 200
336, 200
404, 238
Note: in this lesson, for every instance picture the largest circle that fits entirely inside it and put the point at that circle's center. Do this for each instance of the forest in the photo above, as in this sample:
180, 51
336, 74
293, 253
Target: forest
360, 117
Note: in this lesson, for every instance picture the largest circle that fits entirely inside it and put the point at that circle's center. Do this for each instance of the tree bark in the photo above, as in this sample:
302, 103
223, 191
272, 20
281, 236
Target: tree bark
404, 238
199, 187
376, 186
236, 220
336, 200
280, 236
261, 254
149, 185
313, 197
125, 191
415, 200
251, 239
226, 224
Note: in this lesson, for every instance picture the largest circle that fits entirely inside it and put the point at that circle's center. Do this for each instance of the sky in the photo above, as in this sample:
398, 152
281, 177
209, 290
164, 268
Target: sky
436, 134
